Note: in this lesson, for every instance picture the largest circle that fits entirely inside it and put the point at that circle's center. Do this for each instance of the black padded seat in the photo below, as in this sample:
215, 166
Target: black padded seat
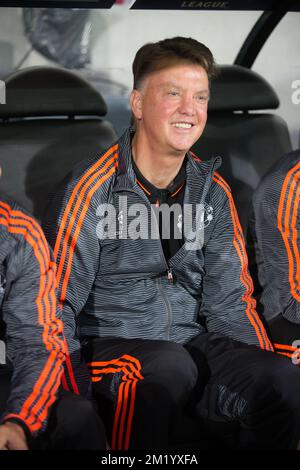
52, 120
248, 141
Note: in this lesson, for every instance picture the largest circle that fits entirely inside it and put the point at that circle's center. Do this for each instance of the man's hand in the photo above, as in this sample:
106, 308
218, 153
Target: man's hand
12, 437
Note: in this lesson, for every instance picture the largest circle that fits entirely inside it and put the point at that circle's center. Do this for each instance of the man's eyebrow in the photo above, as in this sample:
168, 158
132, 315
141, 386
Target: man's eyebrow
179, 87
171, 84
205, 91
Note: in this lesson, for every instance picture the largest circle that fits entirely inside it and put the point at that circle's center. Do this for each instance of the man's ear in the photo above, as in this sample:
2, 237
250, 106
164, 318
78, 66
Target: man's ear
136, 103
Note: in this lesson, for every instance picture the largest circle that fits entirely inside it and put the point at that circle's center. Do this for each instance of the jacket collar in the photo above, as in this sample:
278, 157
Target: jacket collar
154, 194
125, 178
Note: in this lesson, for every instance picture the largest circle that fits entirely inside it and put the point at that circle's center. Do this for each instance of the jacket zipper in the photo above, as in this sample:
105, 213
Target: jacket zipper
169, 271
170, 275
167, 305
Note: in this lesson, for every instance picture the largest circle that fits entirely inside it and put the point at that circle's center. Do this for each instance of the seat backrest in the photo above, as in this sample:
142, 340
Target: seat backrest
52, 120
248, 141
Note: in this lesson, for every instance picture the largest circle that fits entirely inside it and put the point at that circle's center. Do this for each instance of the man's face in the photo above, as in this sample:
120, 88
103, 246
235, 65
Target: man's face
171, 108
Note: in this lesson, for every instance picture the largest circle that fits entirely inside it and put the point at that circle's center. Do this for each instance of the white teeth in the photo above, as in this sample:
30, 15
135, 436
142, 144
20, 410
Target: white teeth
182, 125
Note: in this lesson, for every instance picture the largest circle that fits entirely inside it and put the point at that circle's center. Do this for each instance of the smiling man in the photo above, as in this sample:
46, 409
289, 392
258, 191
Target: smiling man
164, 321
171, 112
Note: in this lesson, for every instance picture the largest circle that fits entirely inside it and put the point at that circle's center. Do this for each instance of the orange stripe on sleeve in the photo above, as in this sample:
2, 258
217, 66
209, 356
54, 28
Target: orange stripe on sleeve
78, 191
64, 382
49, 394
286, 223
73, 242
63, 242
295, 241
244, 276
18, 223
70, 371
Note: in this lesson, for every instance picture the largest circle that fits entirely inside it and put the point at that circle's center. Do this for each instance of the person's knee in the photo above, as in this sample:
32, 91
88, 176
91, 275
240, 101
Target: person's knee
277, 381
172, 367
286, 383
78, 414
73, 424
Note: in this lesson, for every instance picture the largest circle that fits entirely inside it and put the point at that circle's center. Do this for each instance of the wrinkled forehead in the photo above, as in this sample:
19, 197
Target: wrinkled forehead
180, 75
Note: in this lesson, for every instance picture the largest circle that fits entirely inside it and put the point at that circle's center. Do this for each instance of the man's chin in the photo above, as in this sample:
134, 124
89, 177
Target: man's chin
184, 148
180, 152
187, 143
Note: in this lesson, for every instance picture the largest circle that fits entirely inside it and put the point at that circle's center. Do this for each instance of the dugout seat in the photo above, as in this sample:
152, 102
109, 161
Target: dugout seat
53, 119
239, 129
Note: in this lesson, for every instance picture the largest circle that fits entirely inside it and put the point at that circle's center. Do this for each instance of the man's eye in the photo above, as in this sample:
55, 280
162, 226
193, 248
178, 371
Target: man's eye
173, 93
202, 98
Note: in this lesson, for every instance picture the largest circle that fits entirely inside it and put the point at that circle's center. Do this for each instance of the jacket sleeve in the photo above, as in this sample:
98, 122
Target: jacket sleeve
276, 227
34, 332
288, 225
70, 228
227, 302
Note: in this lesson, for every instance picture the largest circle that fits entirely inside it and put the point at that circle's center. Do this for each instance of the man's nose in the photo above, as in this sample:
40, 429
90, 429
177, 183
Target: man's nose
187, 104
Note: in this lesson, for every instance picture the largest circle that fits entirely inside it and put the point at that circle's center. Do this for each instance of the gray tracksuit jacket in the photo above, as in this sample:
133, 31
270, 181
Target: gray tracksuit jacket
29, 319
124, 287
274, 240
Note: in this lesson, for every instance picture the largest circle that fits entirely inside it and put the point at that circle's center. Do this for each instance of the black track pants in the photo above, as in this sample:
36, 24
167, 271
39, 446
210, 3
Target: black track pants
140, 386
257, 389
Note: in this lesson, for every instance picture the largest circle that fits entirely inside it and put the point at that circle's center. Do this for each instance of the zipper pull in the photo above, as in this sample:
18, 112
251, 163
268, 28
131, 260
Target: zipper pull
170, 275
